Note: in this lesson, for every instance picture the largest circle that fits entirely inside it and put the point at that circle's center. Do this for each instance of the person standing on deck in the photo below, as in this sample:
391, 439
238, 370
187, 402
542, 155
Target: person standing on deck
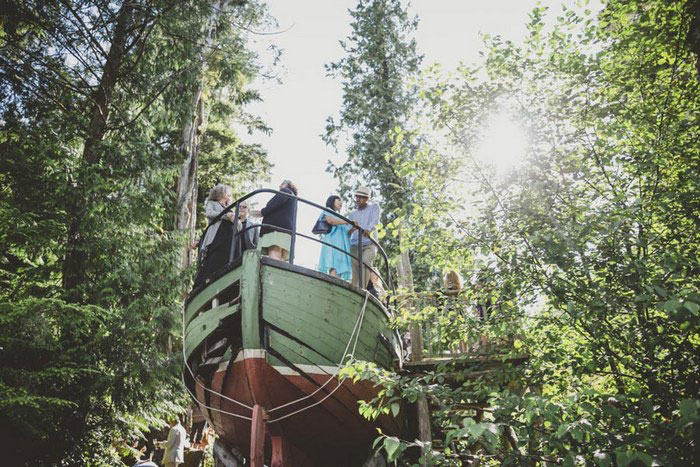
215, 247
247, 238
277, 222
174, 454
365, 216
335, 261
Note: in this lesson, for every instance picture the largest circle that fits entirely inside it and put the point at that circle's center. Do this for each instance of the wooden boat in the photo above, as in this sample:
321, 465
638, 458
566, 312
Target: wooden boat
263, 343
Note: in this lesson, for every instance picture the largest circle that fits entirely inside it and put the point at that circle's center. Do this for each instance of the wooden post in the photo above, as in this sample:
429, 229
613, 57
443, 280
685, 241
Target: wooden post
423, 414
279, 451
405, 276
257, 437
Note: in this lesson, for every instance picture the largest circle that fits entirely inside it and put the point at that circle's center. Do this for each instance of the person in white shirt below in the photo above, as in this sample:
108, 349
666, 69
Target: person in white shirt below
365, 216
174, 454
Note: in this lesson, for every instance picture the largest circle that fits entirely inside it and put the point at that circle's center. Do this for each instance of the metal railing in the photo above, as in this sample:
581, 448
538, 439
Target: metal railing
362, 281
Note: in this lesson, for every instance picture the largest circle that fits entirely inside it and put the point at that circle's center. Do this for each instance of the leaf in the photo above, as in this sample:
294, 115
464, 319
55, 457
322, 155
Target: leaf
391, 446
395, 408
689, 408
645, 458
625, 458
692, 307
561, 431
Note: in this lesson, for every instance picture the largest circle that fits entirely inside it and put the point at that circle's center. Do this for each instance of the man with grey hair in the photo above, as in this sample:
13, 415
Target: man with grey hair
366, 216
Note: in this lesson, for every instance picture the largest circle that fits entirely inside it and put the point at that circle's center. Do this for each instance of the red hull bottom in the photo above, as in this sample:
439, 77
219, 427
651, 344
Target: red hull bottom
332, 432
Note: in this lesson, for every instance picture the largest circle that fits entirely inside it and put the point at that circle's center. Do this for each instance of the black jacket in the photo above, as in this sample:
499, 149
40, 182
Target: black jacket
278, 212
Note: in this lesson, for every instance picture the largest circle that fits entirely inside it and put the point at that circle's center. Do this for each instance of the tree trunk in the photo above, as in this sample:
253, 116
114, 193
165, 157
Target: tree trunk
186, 208
74, 261
693, 36
405, 276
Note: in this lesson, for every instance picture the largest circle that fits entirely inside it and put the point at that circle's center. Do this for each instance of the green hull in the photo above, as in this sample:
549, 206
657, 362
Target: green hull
267, 333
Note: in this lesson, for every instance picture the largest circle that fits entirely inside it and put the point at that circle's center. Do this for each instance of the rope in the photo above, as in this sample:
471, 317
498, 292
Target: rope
356, 334
214, 408
184, 359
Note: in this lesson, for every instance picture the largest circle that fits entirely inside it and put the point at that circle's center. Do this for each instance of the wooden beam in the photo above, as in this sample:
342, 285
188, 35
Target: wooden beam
257, 437
250, 300
424, 429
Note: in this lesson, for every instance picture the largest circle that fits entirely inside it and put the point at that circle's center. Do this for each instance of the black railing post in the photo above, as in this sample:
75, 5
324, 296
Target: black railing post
294, 231
359, 258
235, 240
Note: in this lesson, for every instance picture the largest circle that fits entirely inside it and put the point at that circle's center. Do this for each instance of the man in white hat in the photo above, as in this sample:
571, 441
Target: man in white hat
365, 216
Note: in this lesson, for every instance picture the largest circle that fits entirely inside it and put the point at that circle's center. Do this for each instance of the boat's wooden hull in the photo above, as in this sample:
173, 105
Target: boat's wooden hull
280, 339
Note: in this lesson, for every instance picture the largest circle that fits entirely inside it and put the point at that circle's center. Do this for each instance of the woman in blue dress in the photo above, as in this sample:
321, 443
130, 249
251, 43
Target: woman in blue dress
332, 261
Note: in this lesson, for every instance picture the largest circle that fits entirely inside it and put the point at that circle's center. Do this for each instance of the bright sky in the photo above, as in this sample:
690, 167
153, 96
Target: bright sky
296, 109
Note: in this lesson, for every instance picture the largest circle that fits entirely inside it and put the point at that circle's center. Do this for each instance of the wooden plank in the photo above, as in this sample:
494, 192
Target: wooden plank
315, 334
250, 298
317, 306
338, 318
295, 352
307, 279
210, 292
257, 437
327, 340
204, 324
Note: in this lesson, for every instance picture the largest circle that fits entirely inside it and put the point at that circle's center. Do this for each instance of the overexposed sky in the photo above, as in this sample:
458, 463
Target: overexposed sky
297, 108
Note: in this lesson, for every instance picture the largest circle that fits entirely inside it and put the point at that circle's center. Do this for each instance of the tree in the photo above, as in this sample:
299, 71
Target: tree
380, 58
87, 360
588, 251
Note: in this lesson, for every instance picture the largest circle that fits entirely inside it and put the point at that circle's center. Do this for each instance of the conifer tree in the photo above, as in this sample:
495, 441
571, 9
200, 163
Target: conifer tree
380, 56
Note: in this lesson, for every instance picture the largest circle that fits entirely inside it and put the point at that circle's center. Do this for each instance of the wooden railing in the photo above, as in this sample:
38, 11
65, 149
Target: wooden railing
448, 326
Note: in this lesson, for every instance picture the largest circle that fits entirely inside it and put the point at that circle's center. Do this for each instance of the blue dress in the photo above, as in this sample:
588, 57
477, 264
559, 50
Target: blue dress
332, 258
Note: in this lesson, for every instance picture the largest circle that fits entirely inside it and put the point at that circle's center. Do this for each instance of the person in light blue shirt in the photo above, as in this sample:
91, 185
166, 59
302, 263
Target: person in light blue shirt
365, 216
335, 261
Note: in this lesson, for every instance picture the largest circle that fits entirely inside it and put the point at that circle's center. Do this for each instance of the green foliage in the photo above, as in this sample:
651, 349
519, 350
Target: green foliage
86, 370
381, 57
70, 376
587, 252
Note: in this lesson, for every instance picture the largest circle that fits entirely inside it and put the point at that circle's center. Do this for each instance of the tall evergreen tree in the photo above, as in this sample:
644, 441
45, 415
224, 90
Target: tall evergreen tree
380, 57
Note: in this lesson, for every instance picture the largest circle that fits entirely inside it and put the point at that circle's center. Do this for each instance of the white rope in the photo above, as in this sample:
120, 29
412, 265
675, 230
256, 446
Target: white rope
214, 408
356, 334
184, 359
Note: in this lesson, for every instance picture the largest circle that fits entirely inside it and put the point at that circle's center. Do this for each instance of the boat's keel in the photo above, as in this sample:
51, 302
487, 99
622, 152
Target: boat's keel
283, 453
257, 437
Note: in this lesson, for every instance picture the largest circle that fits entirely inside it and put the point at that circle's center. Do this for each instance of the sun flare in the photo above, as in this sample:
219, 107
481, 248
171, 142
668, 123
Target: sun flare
503, 143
